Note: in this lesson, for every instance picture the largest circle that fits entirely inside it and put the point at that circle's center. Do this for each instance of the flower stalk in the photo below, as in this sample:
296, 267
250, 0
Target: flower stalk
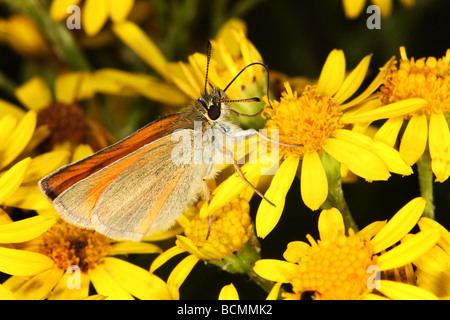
336, 197
242, 262
426, 183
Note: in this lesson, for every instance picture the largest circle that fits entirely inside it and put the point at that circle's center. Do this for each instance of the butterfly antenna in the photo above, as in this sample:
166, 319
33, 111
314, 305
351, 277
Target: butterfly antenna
208, 58
251, 99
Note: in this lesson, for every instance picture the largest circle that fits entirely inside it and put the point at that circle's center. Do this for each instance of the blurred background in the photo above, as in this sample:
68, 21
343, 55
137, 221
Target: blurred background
294, 38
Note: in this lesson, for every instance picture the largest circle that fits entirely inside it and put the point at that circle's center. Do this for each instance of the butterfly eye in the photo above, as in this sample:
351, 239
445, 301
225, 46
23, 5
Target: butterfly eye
214, 112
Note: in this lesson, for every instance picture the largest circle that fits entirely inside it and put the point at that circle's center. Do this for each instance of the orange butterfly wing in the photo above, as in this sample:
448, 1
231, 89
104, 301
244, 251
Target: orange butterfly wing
59, 181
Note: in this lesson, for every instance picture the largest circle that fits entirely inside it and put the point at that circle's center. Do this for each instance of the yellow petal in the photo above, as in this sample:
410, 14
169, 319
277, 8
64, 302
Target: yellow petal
390, 156
82, 151
117, 82
371, 230
392, 110
64, 291
331, 224
313, 181
229, 292
34, 94
179, 274
202, 253
12, 179
23, 263
353, 81
333, 73
353, 8
359, 160
129, 247
274, 292
9, 108
371, 87
385, 7
67, 85
409, 250
136, 280
226, 34
106, 285
268, 216
58, 8
45, 164
119, 9
5, 294
399, 225
414, 139
444, 242
40, 286
295, 251
165, 256
439, 145
402, 291
142, 45
18, 139
94, 15
275, 270
26, 229
388, 133
29, 198
233, 186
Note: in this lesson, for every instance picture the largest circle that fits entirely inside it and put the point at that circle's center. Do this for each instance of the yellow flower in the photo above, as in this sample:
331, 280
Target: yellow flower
428, 79
314, 122
20, 170
60, 119
231, 51
24, 36
94, 13
433, 268
353, 8
340, 266
49, 258
227, 242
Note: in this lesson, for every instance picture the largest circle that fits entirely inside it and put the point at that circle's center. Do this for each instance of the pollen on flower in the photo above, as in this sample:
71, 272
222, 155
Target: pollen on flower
426, 78
66, 123
306, 120
69, 245
335, 269
230, 228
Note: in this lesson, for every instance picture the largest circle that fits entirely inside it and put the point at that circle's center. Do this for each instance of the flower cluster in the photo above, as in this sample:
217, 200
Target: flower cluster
347, 126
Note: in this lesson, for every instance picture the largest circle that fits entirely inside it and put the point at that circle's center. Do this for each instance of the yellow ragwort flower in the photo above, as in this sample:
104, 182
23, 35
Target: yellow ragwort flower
313, 122
340, 266
433, 268
50, 259
219, 241
231, 51
428, 79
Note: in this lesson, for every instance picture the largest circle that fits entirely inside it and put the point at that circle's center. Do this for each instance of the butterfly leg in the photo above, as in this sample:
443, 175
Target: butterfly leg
252, 132
241, 174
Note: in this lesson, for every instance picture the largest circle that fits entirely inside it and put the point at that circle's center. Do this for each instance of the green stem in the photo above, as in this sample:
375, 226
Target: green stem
64, 44
426, 183
243, 261
336, 197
